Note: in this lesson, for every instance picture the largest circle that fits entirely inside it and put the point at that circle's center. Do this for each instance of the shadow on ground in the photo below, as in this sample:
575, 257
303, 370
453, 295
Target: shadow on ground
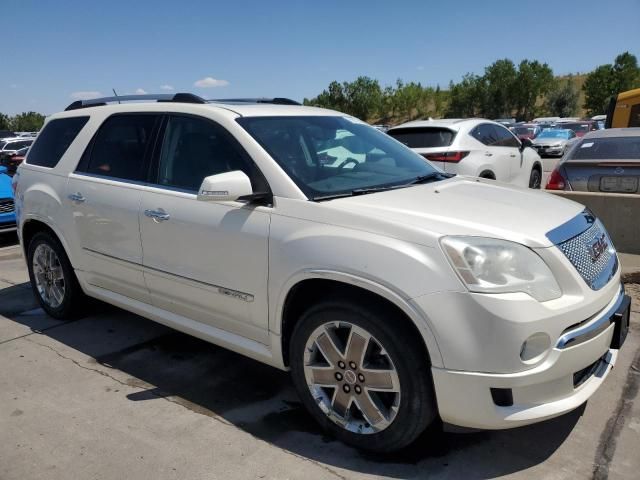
260, 400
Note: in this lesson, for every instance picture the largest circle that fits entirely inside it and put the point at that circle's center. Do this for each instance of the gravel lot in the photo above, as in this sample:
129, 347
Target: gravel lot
113, 396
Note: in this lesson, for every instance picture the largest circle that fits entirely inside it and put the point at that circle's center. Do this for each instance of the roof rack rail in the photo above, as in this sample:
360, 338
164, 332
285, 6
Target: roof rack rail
161, 97
275, 100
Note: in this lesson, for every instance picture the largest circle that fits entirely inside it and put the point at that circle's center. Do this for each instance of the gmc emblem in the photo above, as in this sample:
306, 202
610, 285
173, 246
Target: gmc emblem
597, 247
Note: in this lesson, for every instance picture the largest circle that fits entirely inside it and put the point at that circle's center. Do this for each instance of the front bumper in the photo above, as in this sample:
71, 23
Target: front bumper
573, 370
549, 151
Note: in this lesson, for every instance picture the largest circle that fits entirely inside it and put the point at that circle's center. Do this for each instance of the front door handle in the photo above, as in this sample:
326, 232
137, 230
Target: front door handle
157, 215
488, 154
77, 197
513, 155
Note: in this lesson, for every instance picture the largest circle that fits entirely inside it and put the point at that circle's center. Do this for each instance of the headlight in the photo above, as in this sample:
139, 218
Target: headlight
489, 265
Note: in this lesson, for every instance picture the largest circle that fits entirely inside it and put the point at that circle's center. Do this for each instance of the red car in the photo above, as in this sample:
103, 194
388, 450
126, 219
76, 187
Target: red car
581, 128
12, 160
526, 130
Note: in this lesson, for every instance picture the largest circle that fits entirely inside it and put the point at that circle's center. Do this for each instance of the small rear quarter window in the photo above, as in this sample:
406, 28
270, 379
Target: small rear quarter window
426, 137
54, 140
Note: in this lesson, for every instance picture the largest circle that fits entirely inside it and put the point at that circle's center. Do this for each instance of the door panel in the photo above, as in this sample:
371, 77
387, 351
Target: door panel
104, 196
107, 226
208, 261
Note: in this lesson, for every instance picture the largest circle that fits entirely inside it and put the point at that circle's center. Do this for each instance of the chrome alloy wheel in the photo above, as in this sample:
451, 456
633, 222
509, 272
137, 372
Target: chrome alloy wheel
49, 275
351, 377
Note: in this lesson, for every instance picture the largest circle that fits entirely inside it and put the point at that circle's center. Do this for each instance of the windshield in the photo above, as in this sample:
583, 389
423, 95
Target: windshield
618, 148
330, 155
554, 134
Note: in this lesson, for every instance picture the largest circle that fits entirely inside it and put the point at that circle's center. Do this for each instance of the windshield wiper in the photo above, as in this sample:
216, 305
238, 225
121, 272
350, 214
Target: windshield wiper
429, 177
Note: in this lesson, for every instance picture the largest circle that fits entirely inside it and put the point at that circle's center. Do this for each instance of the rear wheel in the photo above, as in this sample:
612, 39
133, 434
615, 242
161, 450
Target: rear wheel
52, 277
362, 376
535, 179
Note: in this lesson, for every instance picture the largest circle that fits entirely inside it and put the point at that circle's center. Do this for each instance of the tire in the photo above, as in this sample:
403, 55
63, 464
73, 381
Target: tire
535, 179
406, 413
46, 280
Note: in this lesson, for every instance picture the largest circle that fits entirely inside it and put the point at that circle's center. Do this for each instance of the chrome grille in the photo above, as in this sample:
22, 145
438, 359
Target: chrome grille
6, 205
578, 250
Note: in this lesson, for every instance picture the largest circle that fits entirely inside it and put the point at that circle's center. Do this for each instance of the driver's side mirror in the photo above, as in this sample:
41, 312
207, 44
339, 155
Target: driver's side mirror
524, 143
228, 186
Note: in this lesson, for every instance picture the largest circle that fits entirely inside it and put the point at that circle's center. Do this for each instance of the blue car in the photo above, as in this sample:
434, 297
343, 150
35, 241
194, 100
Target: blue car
7, 207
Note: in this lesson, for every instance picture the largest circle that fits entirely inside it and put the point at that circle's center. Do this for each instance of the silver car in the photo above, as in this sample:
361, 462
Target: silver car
601, 161
554, 142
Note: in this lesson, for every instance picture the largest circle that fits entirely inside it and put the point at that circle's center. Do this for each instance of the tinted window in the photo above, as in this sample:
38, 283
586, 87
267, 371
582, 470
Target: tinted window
195, 148
120, 146
620, 148
505, 137
485, 133
54, 140
427, 137
331, 155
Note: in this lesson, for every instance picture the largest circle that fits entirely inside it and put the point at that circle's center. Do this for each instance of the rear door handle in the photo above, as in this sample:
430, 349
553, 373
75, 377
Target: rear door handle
513, 155
488, 154
77, 197
157, 215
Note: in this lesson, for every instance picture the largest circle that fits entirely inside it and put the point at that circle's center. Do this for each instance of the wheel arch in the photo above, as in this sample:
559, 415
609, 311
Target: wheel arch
486, 173
32, 225
311, 287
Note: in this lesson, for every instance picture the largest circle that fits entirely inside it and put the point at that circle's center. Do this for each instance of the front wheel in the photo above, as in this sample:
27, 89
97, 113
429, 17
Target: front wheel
362, 375
535, 179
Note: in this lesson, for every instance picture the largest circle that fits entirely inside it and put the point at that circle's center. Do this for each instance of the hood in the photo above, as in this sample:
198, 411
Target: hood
459, 206
5, 186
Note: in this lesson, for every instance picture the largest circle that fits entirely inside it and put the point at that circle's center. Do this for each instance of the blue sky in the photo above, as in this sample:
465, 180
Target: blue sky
55, 51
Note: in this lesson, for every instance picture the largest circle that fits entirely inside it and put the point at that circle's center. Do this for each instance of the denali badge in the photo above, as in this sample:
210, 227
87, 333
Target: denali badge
597, 247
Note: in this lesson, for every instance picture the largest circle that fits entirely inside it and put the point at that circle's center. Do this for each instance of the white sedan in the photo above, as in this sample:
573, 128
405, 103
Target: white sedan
475, 147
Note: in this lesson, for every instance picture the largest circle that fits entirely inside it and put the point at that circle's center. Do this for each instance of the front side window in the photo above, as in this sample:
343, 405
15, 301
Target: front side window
195, 148
120, 146
333, 155
54, 140
505, 137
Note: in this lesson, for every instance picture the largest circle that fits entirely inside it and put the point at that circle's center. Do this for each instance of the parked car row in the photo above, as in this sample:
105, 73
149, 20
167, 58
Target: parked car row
395, 292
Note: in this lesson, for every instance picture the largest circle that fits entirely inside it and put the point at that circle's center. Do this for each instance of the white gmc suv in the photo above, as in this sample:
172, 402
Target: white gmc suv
394, 292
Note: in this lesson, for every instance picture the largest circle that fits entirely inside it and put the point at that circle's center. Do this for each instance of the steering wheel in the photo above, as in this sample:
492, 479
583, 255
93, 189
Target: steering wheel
348, 161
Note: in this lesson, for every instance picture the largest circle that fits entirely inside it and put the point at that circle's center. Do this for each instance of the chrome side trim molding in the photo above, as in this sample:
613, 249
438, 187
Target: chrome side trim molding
594, 328
228, 292
572, 228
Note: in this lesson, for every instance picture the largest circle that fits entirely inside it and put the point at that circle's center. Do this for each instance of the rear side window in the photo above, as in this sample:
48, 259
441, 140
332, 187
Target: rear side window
427, 137
611, 148
54, 140
120, 147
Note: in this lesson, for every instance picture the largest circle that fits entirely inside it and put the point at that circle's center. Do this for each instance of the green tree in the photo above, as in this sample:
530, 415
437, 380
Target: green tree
467, 98
533, 80
362, 98
27, 122
500, 78
608, 80
5, 122
562, 100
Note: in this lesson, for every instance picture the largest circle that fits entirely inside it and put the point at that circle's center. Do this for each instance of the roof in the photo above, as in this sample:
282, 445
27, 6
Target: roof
614, 132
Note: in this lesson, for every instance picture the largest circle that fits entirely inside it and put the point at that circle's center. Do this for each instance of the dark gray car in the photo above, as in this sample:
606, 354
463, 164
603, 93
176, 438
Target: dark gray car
601, 161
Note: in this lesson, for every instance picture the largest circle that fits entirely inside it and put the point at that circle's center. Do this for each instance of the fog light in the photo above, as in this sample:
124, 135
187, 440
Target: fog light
535, 347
